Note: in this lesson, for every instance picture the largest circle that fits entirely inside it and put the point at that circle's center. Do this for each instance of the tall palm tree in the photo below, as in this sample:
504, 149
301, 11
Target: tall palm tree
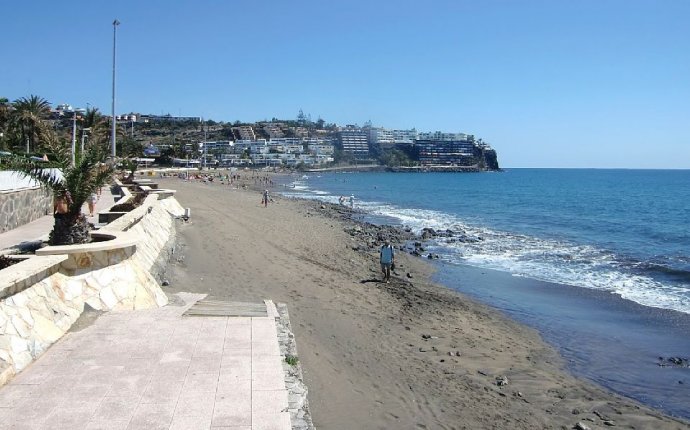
27, 119
99, 128
93, 118
72, 187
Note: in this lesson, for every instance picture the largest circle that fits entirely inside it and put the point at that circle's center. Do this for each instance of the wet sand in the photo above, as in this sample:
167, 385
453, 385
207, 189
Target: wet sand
404, 355
617, 343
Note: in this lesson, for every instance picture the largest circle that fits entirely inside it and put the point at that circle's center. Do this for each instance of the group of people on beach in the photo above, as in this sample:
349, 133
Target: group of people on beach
342, 200
231, 179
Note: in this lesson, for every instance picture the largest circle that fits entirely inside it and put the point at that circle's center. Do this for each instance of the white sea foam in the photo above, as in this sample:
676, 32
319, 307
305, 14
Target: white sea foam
526, 256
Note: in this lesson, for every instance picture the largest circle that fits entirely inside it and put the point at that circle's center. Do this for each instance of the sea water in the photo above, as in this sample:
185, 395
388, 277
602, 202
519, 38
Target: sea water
624, 231
621, 234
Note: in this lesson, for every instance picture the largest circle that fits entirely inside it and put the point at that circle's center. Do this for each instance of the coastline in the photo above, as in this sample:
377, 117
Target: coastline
377, 355
617, 343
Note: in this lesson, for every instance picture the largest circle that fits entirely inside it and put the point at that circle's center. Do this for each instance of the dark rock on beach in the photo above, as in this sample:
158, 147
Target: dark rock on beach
683, 362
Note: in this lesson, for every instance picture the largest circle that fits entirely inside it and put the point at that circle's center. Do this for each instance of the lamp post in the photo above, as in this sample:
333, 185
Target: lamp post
114, 123
74, 133
83, 132
205, 129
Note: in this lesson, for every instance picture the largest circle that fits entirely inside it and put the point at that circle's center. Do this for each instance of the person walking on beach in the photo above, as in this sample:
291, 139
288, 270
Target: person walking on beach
387, 259
352, 202
264, 199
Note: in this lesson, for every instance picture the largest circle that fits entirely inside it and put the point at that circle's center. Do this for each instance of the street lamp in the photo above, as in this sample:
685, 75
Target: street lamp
205, 143
83, 132
74, 132
112, 134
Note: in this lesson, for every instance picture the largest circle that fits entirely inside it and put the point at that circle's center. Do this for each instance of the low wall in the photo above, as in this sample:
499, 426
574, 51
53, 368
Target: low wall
19, 207
155, 220
45, 295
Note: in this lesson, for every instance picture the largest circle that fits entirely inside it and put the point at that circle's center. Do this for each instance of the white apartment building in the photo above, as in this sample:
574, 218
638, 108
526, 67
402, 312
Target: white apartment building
355, 142
321, 149
157, 118
285, 141
387, 138
404, 136
215, 146
240, 146
382, 137
259, 146
438, 135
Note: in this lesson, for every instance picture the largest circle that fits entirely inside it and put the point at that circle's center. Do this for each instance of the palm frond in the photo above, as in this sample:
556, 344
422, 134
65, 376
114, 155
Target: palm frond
45, 173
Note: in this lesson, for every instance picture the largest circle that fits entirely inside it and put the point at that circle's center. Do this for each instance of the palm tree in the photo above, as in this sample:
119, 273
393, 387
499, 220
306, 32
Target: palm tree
27, 120
98, 124
93, 118
71, 188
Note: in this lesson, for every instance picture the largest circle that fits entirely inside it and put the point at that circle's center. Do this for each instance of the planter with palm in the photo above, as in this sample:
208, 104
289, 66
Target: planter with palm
71, 188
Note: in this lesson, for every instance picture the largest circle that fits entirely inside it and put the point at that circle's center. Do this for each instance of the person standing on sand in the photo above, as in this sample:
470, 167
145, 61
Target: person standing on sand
264, 199
387, 259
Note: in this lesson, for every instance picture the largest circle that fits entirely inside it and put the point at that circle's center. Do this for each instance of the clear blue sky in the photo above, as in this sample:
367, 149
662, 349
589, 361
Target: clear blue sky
586, 83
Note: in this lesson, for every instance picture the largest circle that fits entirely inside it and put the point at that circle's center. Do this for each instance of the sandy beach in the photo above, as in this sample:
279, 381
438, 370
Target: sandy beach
404, 355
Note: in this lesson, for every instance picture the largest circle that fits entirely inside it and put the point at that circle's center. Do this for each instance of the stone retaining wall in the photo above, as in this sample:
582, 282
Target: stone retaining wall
155, 221
19, 207
45, 297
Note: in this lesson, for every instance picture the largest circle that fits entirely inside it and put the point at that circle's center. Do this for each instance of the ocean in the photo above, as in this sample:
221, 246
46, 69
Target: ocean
597, 260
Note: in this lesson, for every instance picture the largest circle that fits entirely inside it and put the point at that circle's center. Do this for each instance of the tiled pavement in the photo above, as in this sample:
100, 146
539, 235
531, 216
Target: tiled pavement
155, 369
41, 227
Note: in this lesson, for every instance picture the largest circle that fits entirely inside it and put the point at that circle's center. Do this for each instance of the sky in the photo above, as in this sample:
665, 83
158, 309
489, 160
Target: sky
557, 83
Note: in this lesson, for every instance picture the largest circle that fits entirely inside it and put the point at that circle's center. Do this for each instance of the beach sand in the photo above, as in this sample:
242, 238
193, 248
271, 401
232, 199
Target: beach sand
375, 355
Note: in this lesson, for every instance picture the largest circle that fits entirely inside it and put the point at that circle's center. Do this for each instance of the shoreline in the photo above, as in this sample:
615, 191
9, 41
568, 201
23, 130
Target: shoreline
599, 345
378, 355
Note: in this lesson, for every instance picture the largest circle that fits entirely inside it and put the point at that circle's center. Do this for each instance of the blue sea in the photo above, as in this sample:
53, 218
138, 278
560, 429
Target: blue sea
610, 247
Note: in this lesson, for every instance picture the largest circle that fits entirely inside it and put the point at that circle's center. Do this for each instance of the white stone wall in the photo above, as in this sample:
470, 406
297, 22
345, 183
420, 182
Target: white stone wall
38, 315
157, 224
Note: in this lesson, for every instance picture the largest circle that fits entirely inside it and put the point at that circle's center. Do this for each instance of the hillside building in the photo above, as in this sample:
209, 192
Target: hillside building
273, 131
386, 138
245, 132
445, 152
355, 142
441, 136
162, 118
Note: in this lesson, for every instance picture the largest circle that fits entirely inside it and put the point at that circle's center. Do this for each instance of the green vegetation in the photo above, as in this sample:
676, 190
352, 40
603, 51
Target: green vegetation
291, 360
26, 131
25, 122
395, 158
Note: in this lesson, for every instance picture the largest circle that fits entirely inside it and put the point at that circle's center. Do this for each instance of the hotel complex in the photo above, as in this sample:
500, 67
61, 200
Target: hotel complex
290, 143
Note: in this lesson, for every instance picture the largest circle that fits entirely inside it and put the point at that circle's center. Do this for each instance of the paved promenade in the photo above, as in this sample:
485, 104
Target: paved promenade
155, 369
41, 227
151, 369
